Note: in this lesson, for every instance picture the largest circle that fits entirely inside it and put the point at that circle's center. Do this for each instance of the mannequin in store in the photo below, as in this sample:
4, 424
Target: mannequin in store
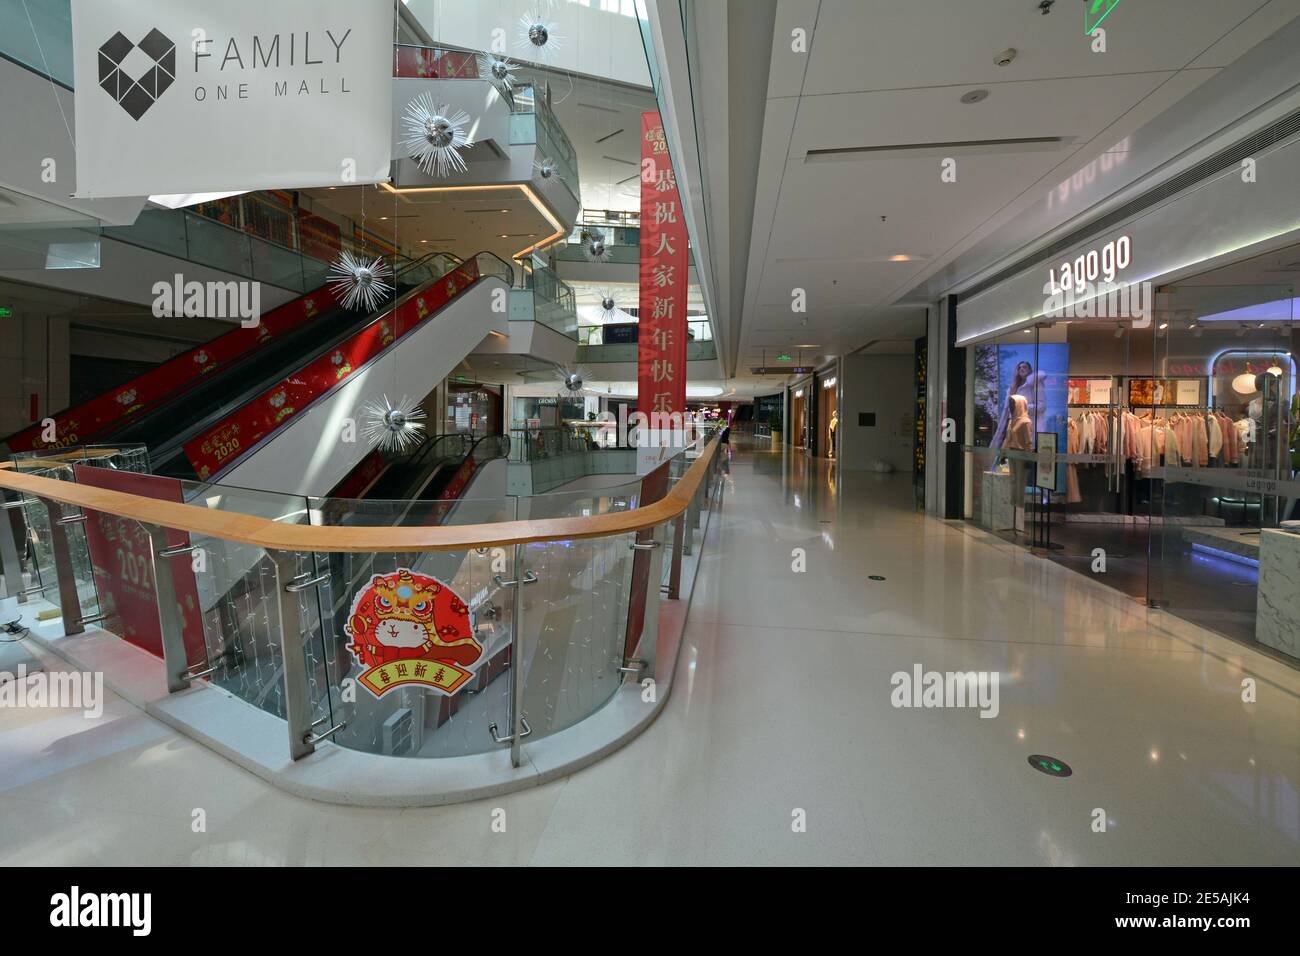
1020, 437
1247, 425
1020, 430
835, 422
1029, 385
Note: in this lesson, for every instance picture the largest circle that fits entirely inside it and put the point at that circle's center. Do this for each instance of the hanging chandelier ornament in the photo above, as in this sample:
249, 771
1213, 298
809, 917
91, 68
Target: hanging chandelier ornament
360, 282
499, 70
609, 309
537, 39
435, 134
572, 380
545, 167
594, 247
393, 427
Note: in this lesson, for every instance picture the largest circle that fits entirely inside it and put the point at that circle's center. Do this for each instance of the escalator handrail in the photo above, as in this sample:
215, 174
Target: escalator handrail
170, 446
183, 359
422, 454
471, 457
390, 309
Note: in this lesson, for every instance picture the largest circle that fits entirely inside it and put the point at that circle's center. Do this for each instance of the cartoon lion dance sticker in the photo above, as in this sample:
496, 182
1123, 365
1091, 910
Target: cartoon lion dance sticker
407, 628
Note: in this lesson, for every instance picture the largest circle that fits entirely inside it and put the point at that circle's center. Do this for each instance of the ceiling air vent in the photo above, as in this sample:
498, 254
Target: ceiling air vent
970, 147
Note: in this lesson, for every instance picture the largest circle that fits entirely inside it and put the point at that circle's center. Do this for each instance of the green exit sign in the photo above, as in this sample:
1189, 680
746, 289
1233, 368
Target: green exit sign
783, 358
1095, 11
6, 312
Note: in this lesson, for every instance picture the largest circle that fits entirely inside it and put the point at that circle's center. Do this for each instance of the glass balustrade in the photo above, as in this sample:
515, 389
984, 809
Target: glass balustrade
554, 303
448, 652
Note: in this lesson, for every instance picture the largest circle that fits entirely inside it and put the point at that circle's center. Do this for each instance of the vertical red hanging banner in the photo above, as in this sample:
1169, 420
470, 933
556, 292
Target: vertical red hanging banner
660, 350
661, 335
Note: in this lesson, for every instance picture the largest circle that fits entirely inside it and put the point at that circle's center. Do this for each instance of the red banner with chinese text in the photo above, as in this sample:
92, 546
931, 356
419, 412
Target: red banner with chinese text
122, 563
224, 443
661, 337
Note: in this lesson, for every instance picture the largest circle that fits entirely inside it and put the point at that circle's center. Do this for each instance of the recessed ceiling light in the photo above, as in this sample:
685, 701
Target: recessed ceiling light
975, 96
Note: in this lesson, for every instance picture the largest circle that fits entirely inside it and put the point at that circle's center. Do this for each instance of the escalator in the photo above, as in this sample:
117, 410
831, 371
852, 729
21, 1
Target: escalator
221, 424
166, 429
405, 477
159, 405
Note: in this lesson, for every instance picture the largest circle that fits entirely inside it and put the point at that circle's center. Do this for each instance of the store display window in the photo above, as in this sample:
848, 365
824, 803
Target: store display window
1178, 449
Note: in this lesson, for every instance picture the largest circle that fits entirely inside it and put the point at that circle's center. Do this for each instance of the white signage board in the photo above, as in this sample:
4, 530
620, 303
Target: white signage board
190, 96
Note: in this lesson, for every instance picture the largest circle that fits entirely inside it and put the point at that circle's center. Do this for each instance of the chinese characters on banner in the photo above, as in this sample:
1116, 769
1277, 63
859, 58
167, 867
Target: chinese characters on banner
661, 338
661, 346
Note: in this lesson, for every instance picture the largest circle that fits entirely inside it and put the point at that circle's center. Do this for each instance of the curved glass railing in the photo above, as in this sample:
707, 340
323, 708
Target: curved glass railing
429, 629
554, 303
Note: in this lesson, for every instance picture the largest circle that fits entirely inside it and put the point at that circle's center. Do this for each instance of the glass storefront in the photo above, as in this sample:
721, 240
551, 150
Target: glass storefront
1177, 441
472, 409
800, 414
828, 413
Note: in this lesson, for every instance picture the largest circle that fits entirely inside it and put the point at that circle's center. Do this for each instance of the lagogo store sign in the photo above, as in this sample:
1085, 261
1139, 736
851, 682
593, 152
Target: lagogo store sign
190, 96
1113, 273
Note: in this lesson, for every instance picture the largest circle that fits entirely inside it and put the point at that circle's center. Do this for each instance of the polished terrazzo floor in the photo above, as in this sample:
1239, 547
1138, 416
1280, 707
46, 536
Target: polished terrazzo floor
782, 704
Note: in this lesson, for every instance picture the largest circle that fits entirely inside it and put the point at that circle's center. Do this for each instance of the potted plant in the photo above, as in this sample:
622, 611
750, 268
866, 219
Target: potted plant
774, 423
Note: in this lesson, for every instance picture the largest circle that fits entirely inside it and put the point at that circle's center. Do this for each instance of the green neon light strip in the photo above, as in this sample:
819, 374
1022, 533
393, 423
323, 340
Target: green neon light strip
1096, 5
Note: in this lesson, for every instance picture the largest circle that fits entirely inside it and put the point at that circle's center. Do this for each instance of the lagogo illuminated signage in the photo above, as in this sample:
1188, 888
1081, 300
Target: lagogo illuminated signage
1095, 265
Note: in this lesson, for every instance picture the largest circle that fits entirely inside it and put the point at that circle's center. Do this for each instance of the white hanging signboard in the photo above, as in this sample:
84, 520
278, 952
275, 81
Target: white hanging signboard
190, 96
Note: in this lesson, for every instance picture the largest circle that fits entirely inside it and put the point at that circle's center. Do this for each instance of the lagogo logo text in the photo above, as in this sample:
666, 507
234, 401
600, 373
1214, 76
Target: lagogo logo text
94, 910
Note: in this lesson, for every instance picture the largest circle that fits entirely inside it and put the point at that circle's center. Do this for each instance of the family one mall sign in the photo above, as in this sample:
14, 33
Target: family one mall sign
189, 96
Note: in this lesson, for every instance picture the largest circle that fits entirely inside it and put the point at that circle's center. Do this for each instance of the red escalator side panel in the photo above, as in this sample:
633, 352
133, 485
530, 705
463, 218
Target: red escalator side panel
216, 449
81, 423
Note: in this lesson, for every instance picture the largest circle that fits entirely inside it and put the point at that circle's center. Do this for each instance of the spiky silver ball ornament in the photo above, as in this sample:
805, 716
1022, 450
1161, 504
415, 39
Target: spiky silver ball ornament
545, 167
499, 70
359, 282
435, 134
594, 247
609, 309
537, 39
394, 427
572, 380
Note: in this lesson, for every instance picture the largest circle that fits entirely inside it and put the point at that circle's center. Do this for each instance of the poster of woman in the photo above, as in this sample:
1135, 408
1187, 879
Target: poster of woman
1044, 388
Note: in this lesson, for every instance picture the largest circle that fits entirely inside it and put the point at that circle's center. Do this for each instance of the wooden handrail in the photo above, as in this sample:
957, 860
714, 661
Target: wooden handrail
275, 536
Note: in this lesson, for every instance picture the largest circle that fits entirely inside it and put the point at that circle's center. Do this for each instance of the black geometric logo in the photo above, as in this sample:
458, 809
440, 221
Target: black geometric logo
137, 95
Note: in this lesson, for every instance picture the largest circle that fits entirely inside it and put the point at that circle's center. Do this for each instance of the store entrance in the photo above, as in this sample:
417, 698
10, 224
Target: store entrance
473, 409
828, 419
1225, 558
799, 416
1178, 449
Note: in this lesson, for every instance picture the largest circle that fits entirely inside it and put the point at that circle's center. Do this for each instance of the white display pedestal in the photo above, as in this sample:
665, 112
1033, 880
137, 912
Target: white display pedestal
1277, 608
997, 501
